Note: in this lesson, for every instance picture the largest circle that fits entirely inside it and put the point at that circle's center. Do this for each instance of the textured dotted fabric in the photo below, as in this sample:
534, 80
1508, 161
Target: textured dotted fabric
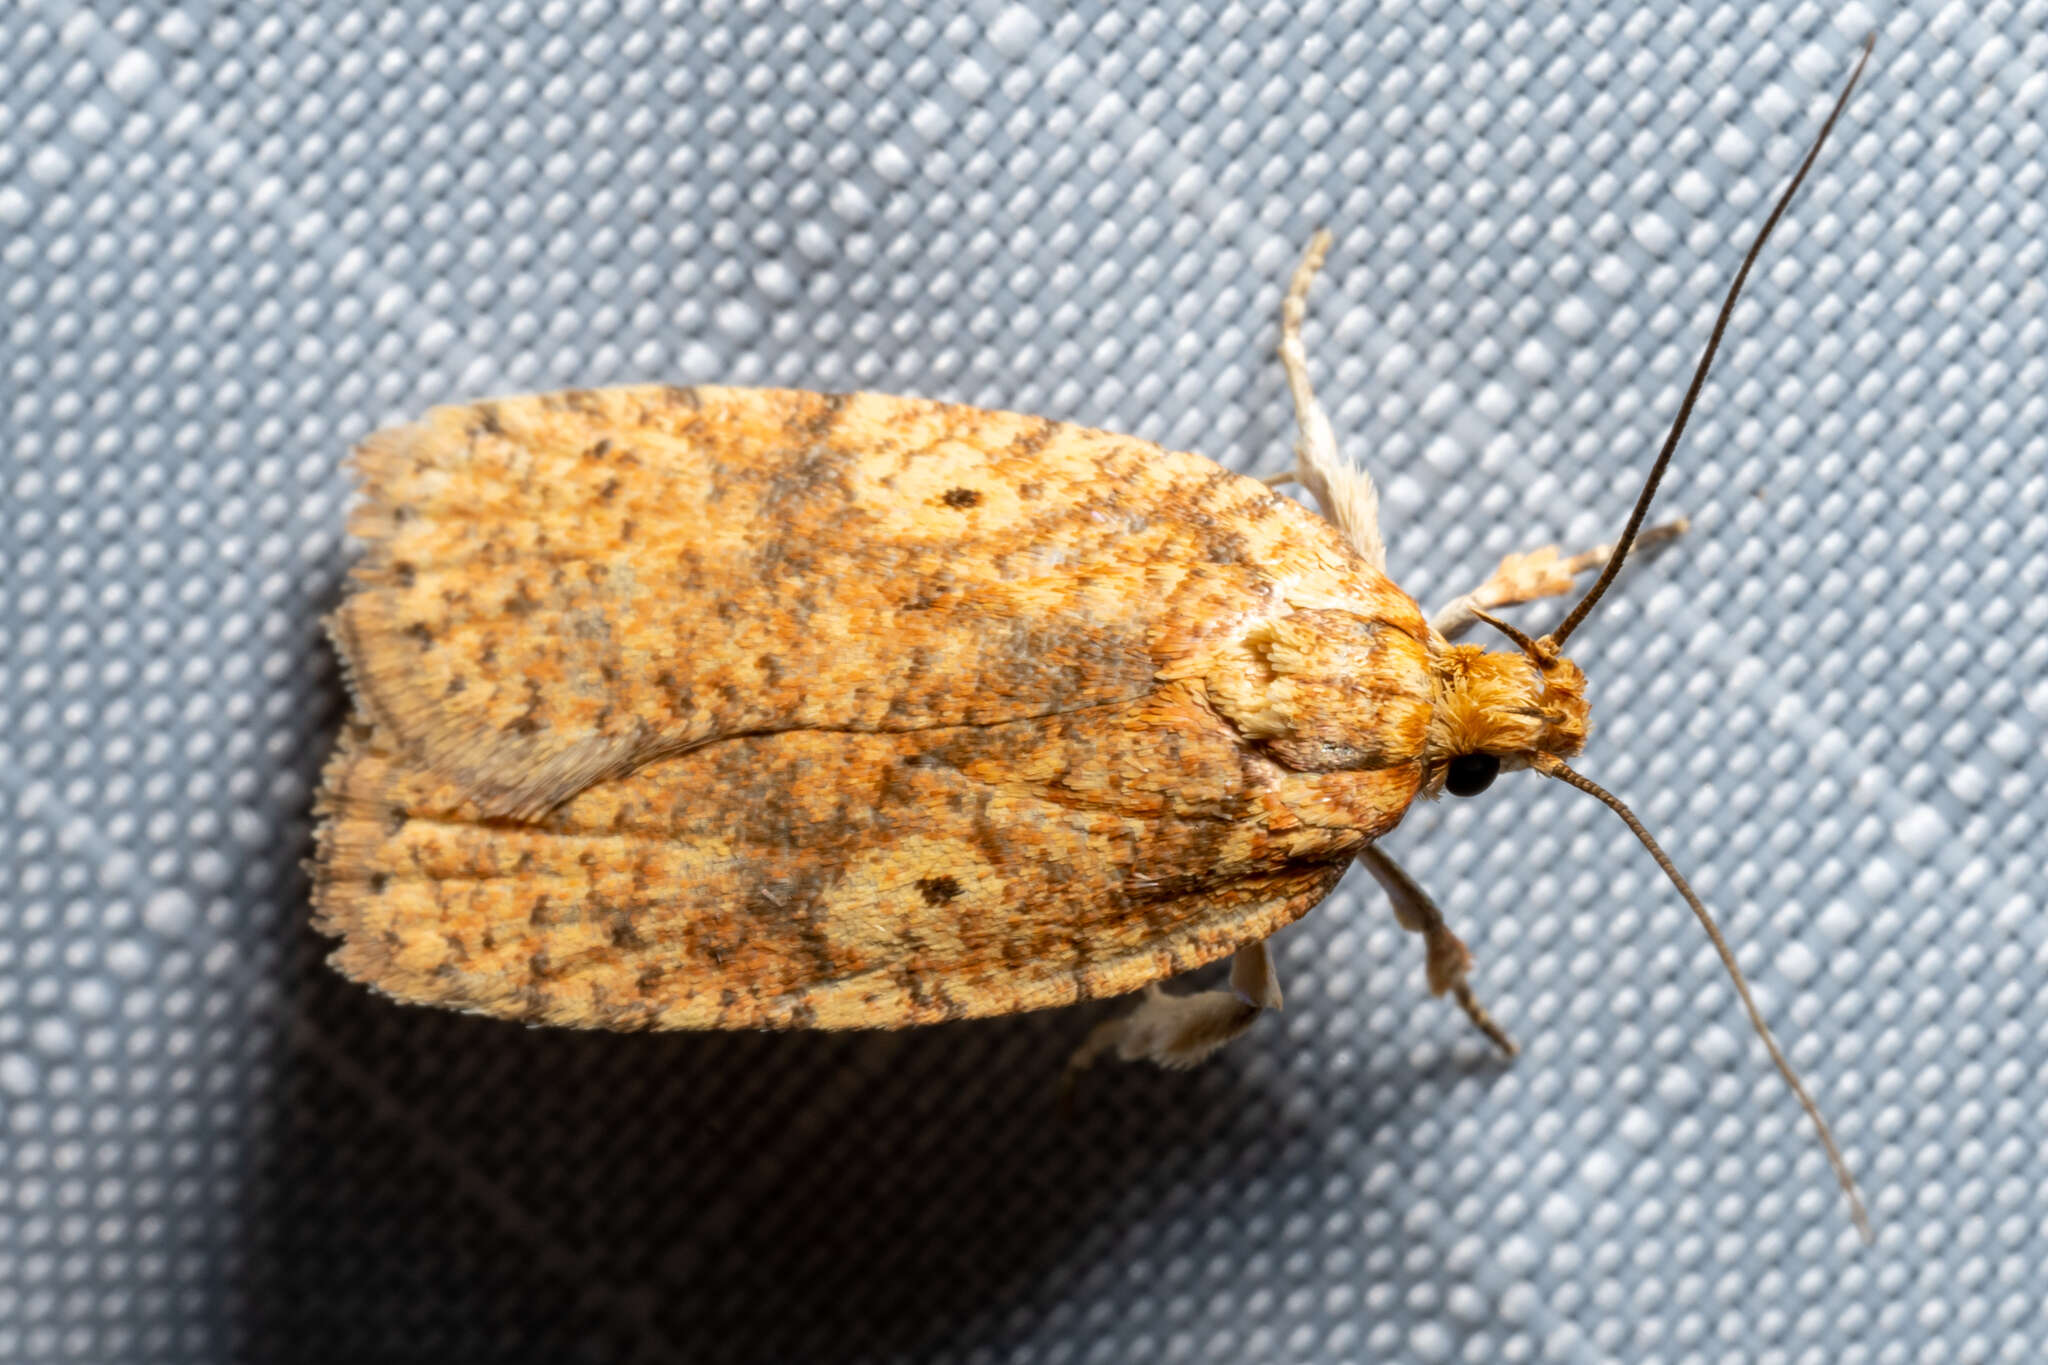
234, 238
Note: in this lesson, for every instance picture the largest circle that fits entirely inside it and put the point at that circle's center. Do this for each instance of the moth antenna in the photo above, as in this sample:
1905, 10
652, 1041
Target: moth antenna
1699, 375
1538, 650
1552, 766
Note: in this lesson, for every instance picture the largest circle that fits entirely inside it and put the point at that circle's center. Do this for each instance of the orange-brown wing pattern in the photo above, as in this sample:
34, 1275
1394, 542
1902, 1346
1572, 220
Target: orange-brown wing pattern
832, 879
559, 588
729, 708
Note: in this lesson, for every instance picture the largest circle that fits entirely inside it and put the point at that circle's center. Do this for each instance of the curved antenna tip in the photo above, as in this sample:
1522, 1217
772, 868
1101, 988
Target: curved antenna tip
1577, 615
1552, 766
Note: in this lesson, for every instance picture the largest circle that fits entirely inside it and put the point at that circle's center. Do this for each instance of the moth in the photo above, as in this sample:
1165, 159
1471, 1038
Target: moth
713, 708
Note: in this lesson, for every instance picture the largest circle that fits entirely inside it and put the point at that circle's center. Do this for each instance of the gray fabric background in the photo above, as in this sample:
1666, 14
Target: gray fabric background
235, 238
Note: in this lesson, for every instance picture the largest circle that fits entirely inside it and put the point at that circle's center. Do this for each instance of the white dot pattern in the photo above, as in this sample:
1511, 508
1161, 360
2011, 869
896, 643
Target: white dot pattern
235, 238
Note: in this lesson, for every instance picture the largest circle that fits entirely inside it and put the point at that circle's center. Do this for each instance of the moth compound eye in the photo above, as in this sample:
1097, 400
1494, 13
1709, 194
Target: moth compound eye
1471, 774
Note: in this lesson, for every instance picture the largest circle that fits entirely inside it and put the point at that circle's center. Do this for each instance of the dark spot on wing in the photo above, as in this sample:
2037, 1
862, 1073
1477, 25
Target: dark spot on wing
938, 890
624, 936
1029, 442
523, 601
962, 498
821, 423
811, 471
580, 401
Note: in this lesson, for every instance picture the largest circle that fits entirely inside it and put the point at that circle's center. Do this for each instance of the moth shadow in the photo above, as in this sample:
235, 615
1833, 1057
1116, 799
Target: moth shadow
450, 1188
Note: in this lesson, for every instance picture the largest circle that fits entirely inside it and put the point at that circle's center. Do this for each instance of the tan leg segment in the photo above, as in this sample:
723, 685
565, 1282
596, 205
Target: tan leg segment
1181, 1030
1344, 491
1449, 960
1537, 574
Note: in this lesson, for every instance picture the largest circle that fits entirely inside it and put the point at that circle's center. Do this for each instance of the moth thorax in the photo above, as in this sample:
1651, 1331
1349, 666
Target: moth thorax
1326, 690
1511, 706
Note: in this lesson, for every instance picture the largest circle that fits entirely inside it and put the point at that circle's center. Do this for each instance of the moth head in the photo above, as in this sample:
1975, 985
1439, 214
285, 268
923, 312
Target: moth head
1496, 711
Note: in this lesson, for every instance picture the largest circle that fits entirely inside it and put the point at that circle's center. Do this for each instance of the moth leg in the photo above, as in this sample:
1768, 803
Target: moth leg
1449, 960
1179, 1031
1343, 490
1539, 573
